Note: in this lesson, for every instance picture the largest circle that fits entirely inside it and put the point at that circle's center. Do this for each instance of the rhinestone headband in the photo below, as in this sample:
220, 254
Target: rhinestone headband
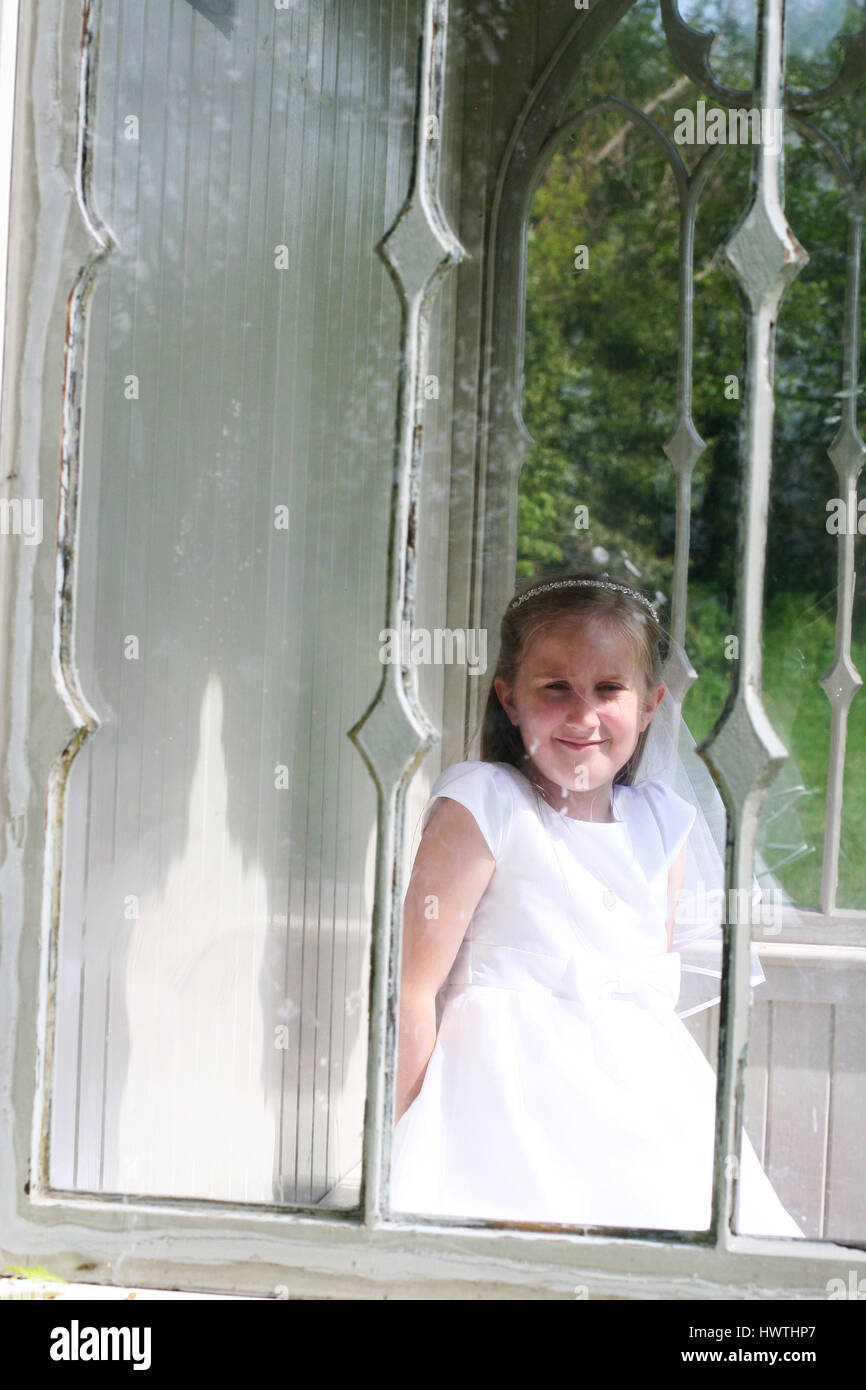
582, 583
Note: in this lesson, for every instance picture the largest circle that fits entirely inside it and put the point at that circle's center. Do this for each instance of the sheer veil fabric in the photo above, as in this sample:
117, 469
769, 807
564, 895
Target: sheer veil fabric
670, 754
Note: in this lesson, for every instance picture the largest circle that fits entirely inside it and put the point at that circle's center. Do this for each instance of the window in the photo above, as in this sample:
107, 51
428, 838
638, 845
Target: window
291, 243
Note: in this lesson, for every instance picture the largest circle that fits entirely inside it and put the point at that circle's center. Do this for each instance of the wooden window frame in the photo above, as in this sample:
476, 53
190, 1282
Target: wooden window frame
274, 1252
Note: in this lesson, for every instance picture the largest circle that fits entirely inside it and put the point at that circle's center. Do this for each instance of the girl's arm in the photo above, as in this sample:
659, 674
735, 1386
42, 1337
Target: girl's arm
452, 869
676, 875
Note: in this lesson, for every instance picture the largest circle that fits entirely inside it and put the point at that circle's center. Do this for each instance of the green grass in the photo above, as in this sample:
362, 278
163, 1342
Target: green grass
797, 652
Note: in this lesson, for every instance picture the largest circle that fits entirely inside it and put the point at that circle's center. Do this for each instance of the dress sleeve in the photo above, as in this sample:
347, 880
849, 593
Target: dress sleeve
485, 790
673, 814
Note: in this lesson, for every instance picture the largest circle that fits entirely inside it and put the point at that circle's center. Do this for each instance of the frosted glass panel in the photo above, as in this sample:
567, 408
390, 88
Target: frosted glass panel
240, 388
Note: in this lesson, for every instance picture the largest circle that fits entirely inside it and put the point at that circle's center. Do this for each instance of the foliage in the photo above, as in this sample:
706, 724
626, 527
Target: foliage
600, 390
34, 1273
601, 342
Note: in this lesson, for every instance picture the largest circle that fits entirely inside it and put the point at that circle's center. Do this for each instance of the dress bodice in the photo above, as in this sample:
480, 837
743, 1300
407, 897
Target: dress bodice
562, 1086
576, 908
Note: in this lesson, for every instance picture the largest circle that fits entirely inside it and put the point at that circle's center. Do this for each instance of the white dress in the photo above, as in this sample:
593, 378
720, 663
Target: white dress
562, 1086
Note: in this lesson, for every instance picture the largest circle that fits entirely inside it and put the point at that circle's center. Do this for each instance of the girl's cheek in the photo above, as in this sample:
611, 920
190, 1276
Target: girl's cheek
545, 716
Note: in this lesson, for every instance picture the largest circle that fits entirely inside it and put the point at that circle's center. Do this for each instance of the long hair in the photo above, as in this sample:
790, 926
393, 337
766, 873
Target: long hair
622, 607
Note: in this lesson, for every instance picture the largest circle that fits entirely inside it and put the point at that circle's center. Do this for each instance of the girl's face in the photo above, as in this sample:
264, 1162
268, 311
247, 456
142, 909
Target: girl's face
580, 701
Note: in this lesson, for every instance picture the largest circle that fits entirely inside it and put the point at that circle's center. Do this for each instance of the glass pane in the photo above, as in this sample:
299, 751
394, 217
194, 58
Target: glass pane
514, 1112
806, 1074
550, 1067
558, 1030
219, 827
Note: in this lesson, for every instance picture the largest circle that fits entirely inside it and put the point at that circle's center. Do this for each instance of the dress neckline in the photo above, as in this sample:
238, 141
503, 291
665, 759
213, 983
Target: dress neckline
616, 806
616, 811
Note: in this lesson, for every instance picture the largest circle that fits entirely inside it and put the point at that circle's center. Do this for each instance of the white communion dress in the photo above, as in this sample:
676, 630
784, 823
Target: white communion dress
562, 1086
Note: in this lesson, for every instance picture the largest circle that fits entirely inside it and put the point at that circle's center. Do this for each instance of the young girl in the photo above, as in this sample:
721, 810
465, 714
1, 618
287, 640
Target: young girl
542, 1073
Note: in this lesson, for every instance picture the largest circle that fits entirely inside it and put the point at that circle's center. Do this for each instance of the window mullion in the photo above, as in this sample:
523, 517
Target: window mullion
395, 733
744, 750
842, 681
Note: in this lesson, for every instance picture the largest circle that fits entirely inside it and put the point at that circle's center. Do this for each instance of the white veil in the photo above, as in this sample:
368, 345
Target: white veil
670, 755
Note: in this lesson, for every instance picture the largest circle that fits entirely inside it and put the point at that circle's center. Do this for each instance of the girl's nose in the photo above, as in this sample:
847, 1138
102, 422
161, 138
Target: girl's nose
582, 710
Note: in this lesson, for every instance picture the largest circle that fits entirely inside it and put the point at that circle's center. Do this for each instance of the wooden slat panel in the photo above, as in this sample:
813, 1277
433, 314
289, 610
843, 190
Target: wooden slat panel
756, 1083
796, 1153
845, 1206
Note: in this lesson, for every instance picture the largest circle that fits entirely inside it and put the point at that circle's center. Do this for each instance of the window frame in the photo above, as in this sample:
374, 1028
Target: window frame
265, 1250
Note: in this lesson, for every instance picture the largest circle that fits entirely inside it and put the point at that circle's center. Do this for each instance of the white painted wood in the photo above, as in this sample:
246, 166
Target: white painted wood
757, 1075
805, 1084
395, 732
8, 55
225, 1245
743, 749
845, 1195
798, 1109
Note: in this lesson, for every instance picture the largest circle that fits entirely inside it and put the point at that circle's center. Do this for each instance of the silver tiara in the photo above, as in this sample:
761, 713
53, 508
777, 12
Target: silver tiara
582, 583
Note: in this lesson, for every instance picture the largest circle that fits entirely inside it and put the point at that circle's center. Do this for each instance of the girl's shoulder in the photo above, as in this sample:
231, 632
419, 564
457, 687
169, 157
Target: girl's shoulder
489, 791
474, 771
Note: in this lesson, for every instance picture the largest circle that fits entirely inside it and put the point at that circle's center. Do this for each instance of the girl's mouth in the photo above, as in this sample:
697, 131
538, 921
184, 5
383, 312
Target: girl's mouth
583, 743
